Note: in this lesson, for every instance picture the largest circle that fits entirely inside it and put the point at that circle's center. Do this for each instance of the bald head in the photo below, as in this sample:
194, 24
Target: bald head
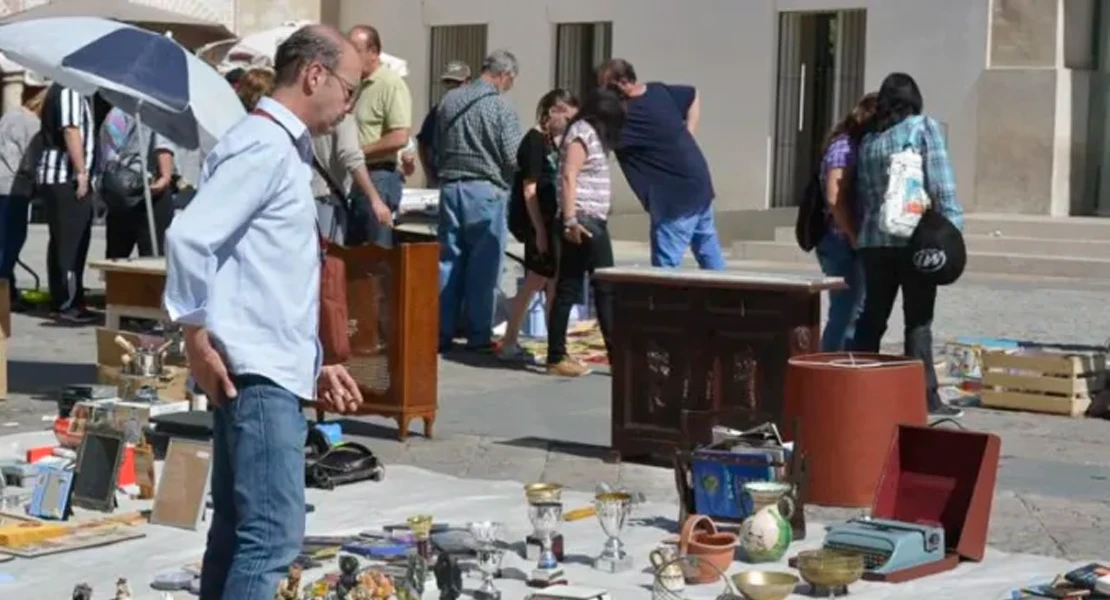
309, 44
316, 76
365, 38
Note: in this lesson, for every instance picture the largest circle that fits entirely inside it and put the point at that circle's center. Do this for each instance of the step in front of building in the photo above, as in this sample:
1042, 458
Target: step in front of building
1000, 263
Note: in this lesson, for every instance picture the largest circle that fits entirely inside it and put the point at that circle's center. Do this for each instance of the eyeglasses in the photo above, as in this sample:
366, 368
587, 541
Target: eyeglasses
349, 89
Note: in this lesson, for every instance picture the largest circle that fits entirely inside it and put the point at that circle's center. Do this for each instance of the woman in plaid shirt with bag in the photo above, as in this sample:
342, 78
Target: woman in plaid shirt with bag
887, 262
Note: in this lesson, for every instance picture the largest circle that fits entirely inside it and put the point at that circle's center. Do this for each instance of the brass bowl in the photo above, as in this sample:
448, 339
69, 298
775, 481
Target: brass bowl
543, 492
830, 568
765, 585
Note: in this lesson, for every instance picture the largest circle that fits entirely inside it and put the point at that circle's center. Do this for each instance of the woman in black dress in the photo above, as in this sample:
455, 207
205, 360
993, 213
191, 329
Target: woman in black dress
532, 210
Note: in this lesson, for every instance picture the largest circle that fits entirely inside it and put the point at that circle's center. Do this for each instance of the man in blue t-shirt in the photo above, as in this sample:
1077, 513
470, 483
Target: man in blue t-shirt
665, 168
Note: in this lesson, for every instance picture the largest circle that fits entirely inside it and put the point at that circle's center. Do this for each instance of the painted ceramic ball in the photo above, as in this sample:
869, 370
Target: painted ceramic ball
765, 536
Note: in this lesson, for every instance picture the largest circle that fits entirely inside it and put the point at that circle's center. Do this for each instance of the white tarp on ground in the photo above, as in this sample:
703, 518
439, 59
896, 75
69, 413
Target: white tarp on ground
408, 490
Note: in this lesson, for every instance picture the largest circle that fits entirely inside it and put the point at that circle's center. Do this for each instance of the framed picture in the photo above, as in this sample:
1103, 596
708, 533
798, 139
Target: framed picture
52, 493
97, 472
183, 486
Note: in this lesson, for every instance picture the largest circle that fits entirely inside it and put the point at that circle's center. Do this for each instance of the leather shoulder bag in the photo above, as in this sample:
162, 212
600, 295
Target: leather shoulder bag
334, 328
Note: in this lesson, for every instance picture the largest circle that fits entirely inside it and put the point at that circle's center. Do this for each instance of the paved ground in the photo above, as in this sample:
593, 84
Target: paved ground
517, 424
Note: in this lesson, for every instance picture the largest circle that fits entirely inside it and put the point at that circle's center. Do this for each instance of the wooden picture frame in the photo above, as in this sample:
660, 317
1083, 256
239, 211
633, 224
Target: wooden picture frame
182, 494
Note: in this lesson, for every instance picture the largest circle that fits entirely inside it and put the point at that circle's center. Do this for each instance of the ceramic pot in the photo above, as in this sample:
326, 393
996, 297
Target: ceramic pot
701, 540
670, 581
762, 494
765, 536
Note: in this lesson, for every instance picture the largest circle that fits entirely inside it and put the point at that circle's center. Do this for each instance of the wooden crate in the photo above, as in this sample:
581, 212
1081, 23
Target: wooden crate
1044, 382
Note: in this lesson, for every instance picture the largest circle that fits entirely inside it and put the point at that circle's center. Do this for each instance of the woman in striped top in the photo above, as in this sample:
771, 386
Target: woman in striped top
585, 198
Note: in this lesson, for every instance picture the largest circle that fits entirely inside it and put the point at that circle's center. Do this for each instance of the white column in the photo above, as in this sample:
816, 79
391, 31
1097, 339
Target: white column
12, 97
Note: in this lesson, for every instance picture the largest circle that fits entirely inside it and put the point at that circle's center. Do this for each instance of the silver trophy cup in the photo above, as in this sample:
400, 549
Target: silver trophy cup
612, 511
489, 563
486, 534
545, 518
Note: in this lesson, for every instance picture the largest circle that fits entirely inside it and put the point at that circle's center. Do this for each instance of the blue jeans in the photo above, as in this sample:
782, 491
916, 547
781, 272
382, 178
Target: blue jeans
671, 236
13, 233
258, 517
364, 227
837, 259
472, 231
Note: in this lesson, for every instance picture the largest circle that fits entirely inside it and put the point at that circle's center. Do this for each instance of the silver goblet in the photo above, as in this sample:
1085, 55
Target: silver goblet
489, 563
486, 533
545, 518
612, 511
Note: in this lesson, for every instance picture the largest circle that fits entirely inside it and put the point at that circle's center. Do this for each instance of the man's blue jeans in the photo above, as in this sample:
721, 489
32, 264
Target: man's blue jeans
671, 236
364, 227
837, 259
258, 518
13, 234
472, 232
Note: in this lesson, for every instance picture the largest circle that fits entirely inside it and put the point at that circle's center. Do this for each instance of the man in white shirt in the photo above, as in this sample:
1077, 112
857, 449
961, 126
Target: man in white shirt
243, 277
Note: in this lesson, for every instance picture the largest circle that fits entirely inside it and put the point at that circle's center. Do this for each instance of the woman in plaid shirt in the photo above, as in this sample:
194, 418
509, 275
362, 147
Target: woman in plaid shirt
887, 263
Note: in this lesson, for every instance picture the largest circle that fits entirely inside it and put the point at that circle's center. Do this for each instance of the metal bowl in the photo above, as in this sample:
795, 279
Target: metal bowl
830, 568
765, 585
543, 492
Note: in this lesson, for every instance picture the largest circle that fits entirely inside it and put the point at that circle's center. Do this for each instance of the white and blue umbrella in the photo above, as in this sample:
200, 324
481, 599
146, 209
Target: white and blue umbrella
147, 75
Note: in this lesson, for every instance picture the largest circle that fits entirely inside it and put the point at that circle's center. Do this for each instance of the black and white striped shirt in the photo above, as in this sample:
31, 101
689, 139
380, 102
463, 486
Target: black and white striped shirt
63, 108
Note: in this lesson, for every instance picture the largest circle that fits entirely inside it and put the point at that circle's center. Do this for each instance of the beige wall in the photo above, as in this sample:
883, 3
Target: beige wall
1013, 126
727, 48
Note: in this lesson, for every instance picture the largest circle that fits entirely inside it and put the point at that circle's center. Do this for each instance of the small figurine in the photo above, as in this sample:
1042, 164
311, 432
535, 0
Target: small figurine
123, 591
82, 592
416, 574
374, 585
348, 576
290, 587
448, 577
317, 590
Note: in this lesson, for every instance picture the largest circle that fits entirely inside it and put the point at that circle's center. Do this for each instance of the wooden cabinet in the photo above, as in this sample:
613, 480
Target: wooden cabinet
393, 300
697, 348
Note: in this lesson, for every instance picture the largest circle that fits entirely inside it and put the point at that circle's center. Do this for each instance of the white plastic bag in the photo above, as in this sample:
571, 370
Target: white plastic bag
905, 199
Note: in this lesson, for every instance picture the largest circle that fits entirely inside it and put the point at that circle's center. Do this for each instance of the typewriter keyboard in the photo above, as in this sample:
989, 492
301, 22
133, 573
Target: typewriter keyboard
872, 559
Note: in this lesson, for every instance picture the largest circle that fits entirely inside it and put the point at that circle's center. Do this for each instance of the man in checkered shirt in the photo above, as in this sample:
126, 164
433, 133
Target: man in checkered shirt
477, 134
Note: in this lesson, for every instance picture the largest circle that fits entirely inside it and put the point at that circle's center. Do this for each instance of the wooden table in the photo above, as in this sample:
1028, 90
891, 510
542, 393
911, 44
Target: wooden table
693, 349
133, 288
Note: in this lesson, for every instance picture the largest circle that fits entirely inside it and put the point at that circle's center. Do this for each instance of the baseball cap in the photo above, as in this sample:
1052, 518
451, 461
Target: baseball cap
937, 251
456, 70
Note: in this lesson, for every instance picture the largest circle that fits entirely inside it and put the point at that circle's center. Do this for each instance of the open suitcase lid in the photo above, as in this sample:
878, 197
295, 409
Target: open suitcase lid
941, 476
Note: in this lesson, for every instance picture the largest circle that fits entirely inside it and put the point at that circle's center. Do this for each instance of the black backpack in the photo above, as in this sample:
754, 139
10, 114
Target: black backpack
811, 224
519, 223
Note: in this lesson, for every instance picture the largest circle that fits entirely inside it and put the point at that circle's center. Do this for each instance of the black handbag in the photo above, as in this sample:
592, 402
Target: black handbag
121, 184
811, 225
342, 463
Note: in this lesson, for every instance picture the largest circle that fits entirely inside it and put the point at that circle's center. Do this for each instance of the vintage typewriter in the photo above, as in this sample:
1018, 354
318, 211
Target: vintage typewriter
888, 546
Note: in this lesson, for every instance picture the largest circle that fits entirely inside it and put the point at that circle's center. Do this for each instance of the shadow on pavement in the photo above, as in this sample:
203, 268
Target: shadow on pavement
45, 379
359, 428
483, 360
563, 447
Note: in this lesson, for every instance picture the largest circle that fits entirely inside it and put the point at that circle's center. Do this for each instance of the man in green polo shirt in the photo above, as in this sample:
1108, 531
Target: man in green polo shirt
383, 113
